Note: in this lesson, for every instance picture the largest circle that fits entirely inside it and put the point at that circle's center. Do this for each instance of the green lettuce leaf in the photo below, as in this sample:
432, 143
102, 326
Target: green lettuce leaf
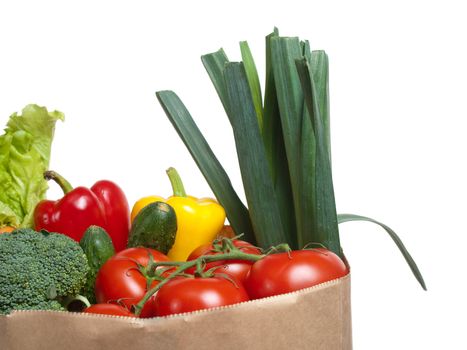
24, 156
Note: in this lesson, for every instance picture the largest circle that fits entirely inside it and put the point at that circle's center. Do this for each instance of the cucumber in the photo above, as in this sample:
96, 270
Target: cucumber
154, 227
98, 247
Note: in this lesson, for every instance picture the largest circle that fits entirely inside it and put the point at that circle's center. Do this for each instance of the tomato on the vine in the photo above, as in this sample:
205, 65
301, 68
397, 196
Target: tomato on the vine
236, 268
120, 280
287, 272
108, 309
186, 294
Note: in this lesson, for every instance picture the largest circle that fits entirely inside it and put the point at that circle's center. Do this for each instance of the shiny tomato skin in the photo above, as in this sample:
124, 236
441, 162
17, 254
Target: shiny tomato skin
108, 309
287, 272
206, 249
185, 294
236, 268
119, 280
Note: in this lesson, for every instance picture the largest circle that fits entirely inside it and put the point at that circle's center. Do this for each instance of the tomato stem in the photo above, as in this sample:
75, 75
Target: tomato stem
200, 265
284, 248
234, 254
310, 244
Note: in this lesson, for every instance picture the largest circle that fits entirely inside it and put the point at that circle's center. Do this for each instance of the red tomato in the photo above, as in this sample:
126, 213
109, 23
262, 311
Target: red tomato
185, 294
236, 268
227, 231
119, 279
280, 273
108, 309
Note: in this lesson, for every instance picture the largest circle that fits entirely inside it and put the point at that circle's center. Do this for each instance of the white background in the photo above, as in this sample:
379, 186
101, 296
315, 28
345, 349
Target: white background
398, 106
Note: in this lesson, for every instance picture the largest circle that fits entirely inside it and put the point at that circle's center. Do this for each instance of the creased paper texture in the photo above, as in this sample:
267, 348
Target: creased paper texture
315, 318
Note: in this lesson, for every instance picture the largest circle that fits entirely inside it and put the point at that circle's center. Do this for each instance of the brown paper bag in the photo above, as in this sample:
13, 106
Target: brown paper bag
313, 318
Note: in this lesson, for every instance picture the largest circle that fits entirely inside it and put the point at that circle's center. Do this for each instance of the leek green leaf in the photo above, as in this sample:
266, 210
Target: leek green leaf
275, 149
256, 177
253, 81
320, 68
325, 217
297, 133
410, 261
214, 64
207, 162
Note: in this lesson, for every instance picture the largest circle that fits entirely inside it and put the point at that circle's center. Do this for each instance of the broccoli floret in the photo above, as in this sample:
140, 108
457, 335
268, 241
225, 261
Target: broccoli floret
39, 270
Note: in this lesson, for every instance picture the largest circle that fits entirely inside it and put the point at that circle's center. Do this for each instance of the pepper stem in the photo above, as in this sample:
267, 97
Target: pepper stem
176, 182
59, 179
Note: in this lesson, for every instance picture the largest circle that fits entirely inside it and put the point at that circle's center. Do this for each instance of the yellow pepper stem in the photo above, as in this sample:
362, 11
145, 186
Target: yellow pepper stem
176, 181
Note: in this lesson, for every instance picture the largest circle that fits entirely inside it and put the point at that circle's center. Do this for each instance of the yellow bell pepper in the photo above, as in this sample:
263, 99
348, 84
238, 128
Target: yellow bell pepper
199, 220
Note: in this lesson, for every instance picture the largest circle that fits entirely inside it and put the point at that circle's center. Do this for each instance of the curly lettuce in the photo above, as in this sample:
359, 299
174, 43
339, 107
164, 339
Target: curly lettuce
24, 156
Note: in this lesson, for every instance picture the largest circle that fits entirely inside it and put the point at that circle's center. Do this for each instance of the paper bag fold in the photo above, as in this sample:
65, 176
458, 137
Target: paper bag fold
314, 318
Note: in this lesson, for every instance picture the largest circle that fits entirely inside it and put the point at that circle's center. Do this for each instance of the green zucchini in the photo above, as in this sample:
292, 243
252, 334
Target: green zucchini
154, 227
98, 247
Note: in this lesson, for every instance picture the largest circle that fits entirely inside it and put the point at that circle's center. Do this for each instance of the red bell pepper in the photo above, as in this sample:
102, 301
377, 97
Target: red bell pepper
104, 205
